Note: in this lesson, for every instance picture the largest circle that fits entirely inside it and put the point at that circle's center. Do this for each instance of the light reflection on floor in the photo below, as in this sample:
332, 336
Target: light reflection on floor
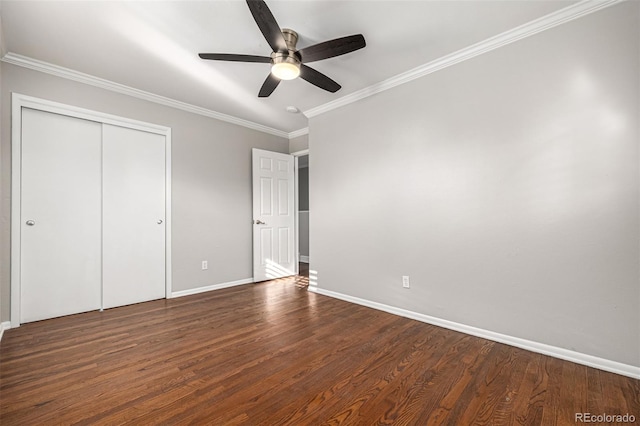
277, 289
300, 281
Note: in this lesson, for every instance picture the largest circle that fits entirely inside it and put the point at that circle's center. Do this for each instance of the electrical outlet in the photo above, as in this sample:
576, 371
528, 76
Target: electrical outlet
405, 281
205, 265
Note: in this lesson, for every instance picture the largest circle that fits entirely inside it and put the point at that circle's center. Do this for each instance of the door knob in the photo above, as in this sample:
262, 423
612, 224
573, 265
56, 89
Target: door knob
31, 222
259, 222
159, 221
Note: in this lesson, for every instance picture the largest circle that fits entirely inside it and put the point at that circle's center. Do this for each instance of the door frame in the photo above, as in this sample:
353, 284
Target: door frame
297, 204
18, 102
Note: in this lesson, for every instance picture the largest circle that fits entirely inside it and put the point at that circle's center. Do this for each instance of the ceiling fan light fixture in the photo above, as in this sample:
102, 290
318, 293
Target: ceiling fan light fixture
285, 70
287, 61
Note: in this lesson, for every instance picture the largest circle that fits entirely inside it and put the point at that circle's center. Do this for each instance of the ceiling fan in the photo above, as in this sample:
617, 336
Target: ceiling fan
286, 61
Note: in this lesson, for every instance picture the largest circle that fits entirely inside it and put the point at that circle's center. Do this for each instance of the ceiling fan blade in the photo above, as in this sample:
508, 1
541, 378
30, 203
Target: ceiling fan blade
318, 79
267, 24
234, 57
331, 48
268, 86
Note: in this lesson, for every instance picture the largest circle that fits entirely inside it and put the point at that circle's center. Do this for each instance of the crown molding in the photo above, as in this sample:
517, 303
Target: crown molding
69, 74
299, 132
551, 20
536, 26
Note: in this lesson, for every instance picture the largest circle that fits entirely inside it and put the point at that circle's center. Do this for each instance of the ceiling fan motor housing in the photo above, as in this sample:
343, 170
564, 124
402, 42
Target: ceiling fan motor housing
290, 56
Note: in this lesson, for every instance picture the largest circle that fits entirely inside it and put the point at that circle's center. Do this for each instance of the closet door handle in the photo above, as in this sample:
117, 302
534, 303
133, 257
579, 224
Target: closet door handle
31, 222
159, 222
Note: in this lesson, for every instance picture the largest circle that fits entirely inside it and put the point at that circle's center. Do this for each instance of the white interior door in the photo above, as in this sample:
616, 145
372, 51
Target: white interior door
274, 215
133, 216
60, 215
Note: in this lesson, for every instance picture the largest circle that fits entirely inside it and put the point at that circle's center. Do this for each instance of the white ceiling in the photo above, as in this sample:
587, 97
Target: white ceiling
153, 45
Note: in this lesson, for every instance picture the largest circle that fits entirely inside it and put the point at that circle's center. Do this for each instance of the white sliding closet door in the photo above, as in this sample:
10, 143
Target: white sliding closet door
133, 237
60, 215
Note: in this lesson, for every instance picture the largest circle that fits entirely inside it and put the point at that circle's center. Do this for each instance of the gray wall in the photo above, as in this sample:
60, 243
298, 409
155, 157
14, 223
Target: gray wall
4, 240
303, 233
303, 188
211, 170
505, 186
303, 215
299, 144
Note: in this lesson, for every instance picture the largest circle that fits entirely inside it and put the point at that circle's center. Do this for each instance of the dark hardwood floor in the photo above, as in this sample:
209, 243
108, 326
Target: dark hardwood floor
274, 354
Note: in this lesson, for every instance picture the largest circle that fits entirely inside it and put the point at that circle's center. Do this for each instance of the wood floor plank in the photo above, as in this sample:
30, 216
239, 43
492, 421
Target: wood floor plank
573, 395
449, 378
376, 370
529, 403
551, 414
274, 354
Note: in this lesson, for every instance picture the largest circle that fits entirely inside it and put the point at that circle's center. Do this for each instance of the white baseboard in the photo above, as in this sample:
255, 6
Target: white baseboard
304, 259
4, 326
554, 351
210, 287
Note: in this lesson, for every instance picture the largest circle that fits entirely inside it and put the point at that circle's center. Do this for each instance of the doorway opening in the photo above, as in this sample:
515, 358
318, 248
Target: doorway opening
302, 212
